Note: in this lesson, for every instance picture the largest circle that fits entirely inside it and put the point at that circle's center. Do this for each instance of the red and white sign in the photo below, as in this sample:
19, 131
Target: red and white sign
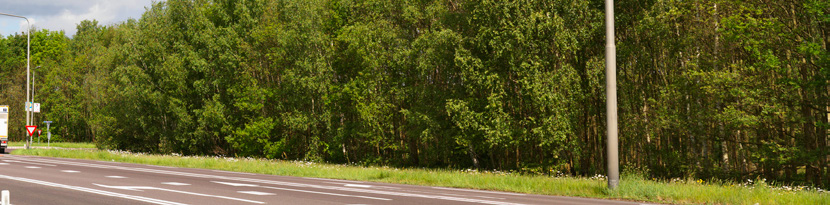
39, 131
31, 129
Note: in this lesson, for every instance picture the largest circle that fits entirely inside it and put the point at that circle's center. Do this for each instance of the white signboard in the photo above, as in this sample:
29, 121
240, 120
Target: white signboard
32, 107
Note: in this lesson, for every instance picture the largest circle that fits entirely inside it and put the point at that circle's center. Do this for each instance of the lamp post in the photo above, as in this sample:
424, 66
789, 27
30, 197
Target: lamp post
611, 97
28, 74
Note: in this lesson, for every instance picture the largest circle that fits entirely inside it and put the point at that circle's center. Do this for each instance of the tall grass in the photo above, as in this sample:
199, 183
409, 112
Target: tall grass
636, 188
55, 144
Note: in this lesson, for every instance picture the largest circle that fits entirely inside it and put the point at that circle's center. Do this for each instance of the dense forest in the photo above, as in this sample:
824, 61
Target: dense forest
707, 88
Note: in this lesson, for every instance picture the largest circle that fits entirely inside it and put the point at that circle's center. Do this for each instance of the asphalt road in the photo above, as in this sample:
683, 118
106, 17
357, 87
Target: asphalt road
44, 180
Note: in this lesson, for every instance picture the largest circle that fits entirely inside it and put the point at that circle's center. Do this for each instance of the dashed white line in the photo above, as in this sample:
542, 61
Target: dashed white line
256, 193
69, 171
116, 177
175, 183
94, 191
358, 185
32, 167
4, 163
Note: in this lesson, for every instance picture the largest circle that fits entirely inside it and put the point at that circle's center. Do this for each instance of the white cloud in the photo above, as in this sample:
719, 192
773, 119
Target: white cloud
65, 15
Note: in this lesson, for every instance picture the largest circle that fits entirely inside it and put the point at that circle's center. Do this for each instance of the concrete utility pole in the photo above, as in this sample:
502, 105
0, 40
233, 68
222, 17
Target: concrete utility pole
28, 60
611, 97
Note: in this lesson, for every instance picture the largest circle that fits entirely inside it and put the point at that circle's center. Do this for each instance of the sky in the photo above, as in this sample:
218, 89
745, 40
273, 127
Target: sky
66, 14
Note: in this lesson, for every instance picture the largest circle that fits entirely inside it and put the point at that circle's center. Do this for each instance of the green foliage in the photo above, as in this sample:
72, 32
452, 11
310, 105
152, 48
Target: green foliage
707, 88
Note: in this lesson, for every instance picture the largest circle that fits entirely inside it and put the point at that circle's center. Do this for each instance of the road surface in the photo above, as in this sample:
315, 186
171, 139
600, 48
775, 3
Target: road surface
44, 180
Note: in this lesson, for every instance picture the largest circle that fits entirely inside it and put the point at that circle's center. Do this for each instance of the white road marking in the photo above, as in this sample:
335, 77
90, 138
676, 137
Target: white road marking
256, 193
139, 188
480, 191
69, 171
358, 185
336, 180
32, 167
175, 183
299, 190
167, 172
116, 177
233, 172
235, 184
94, 191
161, 166
4, 163
15, 161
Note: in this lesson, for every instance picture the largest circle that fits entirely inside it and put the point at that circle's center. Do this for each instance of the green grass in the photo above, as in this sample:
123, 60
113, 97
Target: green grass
55, 144
631, 187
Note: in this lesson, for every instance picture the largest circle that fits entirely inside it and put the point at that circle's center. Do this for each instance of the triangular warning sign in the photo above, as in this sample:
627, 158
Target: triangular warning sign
31, 129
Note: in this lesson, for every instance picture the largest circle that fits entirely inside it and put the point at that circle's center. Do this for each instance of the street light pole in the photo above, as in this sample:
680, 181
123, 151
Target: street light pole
611, 97
28, 60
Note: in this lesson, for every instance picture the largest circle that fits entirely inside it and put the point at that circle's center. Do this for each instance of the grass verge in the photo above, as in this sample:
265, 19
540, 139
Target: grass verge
55, 144
630, 188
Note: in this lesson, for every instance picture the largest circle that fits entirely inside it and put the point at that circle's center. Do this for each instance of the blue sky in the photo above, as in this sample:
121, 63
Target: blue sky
66, 14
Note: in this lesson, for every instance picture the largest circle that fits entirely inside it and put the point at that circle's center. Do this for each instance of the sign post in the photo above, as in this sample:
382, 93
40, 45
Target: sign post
48, 134
29, 114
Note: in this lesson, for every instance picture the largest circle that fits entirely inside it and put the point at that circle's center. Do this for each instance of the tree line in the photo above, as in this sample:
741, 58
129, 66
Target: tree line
707, 88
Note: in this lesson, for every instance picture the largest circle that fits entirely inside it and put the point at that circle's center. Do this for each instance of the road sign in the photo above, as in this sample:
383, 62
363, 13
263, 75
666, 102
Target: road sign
29, 106
37, 107
31, 129
48, 134
39, 131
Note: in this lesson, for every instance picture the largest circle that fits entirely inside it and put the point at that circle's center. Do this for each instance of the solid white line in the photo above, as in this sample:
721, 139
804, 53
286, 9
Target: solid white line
116, 177
161, 166
94, 191
235, 184
233, 172
286, 183
256, 193
326, 193
69, 171
15, 161
175, 183
480, 191
336, 180
138, 188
